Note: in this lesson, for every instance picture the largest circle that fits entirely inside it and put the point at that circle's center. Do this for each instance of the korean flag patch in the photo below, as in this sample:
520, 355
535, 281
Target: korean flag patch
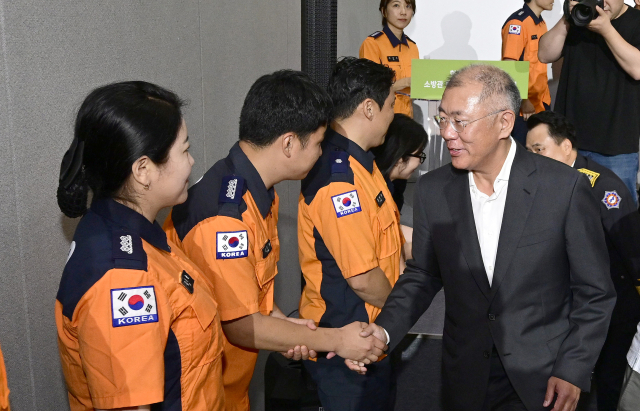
515, 29
347, 203
232, 244
133, 306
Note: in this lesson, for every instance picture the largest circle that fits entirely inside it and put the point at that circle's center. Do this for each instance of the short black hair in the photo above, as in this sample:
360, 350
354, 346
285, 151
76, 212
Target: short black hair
560, 128
405, 137
354, 80
283, 102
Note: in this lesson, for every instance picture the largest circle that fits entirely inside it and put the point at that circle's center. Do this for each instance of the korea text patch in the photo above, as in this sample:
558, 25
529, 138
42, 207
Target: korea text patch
232, 244
346, 203
515, 29
133, 306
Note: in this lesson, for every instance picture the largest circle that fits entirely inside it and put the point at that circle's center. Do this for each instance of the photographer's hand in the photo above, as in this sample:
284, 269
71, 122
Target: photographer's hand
601, 24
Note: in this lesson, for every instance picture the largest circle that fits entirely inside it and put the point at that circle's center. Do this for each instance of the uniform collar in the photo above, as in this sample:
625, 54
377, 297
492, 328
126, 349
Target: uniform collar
581, 162
393, 39
365, 158
530, 13
131, 220
264, 198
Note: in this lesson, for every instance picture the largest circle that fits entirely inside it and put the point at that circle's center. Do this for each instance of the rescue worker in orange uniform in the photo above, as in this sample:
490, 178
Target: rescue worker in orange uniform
137, 322
228, 226
348, 231
520, 36
395, 49
4, 387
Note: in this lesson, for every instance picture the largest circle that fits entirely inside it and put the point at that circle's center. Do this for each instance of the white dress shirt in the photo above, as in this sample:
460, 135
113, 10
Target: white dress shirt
633, 356
488, 212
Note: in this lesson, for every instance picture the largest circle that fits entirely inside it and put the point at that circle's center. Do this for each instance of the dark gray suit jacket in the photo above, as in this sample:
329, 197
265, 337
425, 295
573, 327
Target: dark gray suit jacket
548, 309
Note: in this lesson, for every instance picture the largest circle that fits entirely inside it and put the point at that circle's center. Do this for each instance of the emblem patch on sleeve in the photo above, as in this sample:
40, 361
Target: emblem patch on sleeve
133, 306
515, 29
347, 203
232, 244
611, 199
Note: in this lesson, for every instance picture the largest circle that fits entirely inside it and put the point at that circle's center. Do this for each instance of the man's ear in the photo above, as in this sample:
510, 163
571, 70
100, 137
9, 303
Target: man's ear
507, 121
288, 140
141, 171
368, 106
566, 146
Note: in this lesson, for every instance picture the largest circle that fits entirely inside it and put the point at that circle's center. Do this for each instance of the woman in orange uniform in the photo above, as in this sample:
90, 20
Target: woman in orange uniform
137, 322
393, 48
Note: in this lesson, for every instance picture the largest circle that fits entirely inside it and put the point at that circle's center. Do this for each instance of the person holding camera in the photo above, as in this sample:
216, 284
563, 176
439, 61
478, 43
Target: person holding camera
599, 87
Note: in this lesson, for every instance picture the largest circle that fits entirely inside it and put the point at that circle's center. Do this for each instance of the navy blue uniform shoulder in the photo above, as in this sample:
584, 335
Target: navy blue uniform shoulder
217, 193
407, 37
376, 34
519, 15
607, 180
332, 166
97, 247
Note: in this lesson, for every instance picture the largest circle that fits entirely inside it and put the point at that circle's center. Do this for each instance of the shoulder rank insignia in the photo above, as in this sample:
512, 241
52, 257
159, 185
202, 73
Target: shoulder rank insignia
339, 162
127, 246
593, 176
231, 190
611, 199
376, 34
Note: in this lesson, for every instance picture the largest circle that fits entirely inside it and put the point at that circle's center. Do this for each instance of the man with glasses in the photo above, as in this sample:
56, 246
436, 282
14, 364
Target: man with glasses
510, 235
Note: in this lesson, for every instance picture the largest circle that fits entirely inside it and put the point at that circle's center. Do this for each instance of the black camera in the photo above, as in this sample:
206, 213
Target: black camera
583, 12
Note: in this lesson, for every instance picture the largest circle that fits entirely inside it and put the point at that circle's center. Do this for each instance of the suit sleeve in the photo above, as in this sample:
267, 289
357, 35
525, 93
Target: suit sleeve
369, 50
513, 44
622, 226
421, 281
591, 287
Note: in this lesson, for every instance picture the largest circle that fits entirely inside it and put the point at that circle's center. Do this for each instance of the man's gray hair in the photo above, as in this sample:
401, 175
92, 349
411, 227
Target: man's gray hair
497, 85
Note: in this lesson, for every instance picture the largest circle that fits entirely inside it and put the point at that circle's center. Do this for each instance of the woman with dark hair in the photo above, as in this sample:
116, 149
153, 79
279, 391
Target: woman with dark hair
399, 156
393, 48
137, 322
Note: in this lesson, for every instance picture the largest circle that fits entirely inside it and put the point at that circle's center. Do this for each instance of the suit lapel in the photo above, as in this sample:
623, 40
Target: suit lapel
459, 202
523, 183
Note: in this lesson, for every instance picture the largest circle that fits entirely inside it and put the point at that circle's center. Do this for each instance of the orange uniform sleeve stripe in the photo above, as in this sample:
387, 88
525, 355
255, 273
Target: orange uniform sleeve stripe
513, 44
4, 386
350, 238
234, 279
124, 366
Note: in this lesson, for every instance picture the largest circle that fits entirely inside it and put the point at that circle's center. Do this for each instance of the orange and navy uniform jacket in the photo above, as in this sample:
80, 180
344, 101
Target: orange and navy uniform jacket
137, 321
4, 388
384, 47
228, 226
347, 225
520, 36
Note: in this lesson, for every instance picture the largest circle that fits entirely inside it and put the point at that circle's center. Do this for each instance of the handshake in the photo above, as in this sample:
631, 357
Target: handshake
358, 343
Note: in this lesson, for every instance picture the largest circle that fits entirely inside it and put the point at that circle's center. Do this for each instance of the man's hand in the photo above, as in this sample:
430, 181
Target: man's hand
527, 109
401, 84
353, 345
300, 352
568, 395
370, 330
601, 24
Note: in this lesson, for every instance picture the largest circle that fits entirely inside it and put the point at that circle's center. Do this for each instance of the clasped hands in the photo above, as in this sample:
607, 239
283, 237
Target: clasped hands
360, 342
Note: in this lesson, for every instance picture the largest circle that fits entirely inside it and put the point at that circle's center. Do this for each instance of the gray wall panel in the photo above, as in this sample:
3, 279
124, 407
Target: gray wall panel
356, 20
56, 51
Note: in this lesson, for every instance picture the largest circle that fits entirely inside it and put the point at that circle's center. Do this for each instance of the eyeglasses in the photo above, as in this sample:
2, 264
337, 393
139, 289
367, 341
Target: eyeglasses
421, 156
459, 125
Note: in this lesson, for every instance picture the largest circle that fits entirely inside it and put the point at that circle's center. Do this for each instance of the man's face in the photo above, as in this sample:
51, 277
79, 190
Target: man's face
544, 4
473, 148
613, 8
540, 142
383, 118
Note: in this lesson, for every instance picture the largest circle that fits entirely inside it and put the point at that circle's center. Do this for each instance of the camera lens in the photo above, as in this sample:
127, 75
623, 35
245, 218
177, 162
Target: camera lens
582, 14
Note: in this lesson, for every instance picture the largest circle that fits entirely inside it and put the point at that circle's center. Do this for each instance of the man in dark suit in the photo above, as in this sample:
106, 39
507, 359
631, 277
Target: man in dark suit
552, 135
516, 242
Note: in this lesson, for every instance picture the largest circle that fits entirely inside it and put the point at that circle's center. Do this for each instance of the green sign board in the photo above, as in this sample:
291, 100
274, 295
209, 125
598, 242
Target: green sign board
429, 77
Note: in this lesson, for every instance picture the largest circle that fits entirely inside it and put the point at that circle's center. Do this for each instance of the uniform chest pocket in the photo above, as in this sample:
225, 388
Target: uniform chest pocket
533, 50
388, 236
207, 344
267, 261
